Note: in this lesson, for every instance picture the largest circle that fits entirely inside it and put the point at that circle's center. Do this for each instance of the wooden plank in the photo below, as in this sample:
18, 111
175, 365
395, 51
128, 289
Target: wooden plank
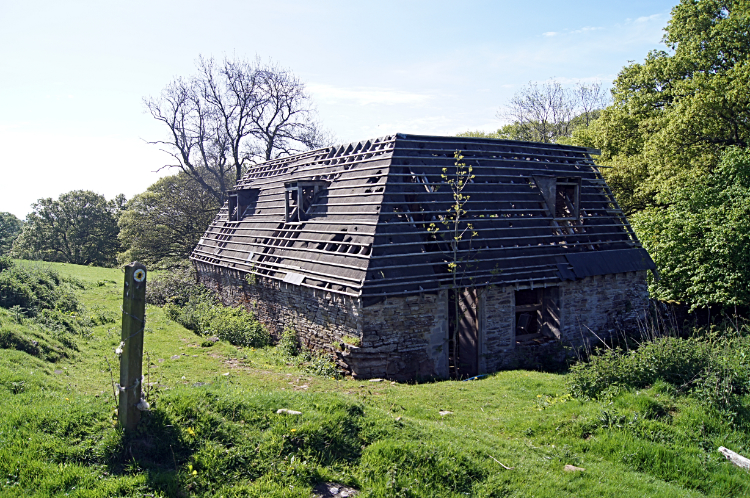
528, 307
737, 459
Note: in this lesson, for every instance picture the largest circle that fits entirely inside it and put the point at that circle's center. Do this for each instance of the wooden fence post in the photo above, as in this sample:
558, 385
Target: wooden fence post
131, 359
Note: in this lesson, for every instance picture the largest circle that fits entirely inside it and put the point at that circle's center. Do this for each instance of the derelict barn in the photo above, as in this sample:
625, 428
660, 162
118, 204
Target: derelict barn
340, 244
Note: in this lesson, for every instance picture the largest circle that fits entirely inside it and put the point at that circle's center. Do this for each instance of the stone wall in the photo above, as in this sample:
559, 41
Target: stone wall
497, 336
405, 338
321, 319
400, 338
602, 303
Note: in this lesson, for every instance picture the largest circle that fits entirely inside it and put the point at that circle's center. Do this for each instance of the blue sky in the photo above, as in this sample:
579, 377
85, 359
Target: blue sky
73, 74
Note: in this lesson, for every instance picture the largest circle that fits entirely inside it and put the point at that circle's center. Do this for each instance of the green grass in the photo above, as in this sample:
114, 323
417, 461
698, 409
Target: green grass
213, 434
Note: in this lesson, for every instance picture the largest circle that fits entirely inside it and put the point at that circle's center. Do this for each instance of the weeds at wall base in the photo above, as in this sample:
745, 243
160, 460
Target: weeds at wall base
290, 351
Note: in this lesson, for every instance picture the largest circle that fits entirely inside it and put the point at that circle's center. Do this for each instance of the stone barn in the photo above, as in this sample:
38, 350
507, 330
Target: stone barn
359, 250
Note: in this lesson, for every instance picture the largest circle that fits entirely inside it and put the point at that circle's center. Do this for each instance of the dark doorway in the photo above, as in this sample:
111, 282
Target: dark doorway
463, 333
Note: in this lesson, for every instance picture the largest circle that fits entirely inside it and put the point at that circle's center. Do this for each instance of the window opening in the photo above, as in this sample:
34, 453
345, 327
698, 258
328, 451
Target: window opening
561, 195
537, 315
528, 314
567, 197
240, 202
299, 198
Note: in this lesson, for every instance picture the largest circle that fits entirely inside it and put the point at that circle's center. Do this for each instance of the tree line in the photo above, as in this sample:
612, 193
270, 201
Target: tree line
677, 138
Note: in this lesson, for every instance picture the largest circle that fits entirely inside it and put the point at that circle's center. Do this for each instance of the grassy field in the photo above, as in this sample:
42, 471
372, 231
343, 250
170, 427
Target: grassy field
213, 429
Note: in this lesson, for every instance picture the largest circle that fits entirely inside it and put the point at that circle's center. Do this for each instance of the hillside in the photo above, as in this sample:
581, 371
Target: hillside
213, 429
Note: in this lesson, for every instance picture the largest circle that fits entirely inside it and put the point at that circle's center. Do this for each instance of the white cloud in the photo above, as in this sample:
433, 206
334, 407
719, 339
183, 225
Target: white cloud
550, 33
366, 95
587, 29
653, 17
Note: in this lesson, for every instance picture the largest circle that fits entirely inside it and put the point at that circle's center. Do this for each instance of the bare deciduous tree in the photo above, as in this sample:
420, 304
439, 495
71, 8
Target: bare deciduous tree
285, 123
232, 114
589, 100
545, 112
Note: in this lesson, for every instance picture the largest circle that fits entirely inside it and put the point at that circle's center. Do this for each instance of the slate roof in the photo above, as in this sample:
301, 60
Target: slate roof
368, 206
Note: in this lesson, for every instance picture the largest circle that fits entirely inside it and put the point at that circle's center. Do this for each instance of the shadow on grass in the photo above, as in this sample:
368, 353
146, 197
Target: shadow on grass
155, 450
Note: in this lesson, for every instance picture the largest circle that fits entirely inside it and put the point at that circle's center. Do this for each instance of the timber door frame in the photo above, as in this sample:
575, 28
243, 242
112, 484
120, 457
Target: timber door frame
464, 350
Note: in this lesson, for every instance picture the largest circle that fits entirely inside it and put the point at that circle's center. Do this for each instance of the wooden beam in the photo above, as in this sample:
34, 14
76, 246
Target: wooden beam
735, 458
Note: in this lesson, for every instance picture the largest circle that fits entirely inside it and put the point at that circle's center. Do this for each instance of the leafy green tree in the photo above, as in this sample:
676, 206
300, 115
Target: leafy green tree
10, 229
675, 113
162, 225
506, 132
701, 242
79, 227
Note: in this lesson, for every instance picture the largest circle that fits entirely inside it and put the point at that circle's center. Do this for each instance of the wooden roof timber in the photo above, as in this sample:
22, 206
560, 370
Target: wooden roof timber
359, 241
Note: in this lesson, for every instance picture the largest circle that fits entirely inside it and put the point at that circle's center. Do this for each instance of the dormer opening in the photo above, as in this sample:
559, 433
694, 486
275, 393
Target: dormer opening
562, 195
299, 198
567, 198
239, 202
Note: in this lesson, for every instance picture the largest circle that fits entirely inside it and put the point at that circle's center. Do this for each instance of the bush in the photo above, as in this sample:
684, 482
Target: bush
291, 350
35, 289
34, 337
289, 344
176, 285
236, 326
196, 308
5, 262
68, 322
48, 307
203, 314
321, 364
715, 368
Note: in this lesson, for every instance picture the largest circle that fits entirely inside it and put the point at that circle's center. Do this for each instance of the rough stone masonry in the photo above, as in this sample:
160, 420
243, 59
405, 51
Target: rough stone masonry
407, 337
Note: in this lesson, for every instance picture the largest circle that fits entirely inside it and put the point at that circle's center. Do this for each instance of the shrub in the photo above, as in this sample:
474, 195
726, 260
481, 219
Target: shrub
196, 308
36, 344
176, 285
47, 305
35, 289
715, 368
36, 340
321, 364
68, 322
291, 350
5, 262
236, 326
289, 344
203, 314
195, 313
